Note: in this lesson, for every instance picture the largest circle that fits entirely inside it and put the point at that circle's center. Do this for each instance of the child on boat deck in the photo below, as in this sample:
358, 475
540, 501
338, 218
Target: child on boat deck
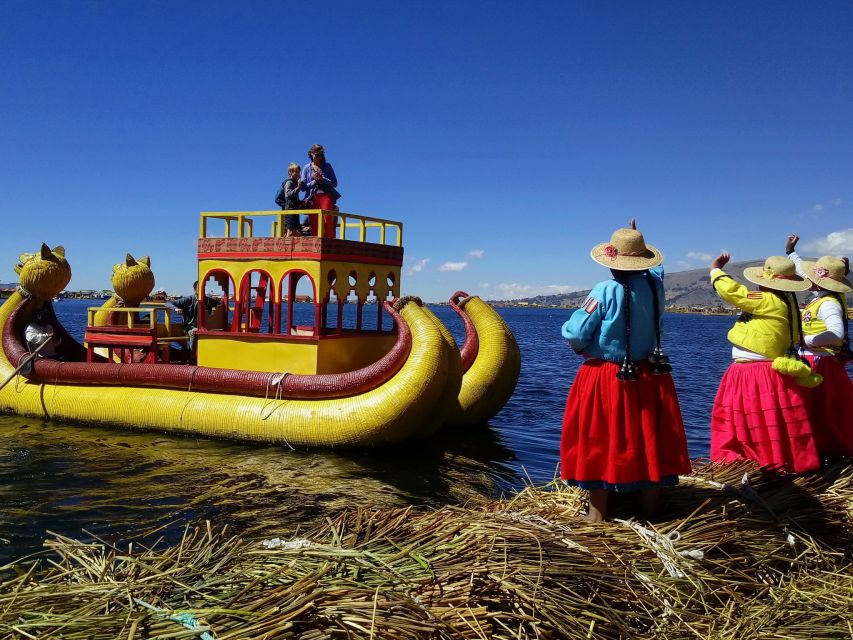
760, 410
622, 427
288, 199
826, 346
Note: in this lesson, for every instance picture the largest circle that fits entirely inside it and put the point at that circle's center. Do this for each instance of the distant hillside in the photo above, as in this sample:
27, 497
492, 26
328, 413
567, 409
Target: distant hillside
683, 289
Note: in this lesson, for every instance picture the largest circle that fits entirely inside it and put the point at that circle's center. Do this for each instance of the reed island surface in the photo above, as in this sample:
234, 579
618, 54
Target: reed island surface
740, 553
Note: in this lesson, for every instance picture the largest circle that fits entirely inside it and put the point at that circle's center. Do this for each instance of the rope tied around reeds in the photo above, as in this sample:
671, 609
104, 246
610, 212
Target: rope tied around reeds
664, 546
269, 406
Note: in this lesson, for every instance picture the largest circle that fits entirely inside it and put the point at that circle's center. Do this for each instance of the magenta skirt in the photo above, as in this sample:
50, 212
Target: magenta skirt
761, 415
831, 407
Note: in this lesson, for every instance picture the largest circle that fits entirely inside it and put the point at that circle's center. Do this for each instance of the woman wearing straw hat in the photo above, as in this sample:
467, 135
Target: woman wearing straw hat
827, 348
760, 410
622, 428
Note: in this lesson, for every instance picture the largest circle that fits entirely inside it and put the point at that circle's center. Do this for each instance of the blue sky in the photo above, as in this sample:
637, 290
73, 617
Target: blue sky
509, 138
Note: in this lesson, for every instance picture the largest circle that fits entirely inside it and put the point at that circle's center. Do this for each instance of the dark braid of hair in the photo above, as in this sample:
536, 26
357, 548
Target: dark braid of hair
658, 360
628, 371
844, 353
793, 316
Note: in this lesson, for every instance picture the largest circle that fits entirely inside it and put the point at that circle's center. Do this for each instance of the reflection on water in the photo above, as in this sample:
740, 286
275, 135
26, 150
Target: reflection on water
70, 478
66, 478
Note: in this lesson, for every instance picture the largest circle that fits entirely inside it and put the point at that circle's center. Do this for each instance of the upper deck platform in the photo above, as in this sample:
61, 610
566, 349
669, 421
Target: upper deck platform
243, 235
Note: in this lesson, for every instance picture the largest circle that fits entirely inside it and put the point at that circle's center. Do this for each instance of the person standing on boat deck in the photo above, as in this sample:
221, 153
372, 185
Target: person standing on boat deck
319, 182
826, 339
288, 199
187, 306
40, 330
622, 427
760, 411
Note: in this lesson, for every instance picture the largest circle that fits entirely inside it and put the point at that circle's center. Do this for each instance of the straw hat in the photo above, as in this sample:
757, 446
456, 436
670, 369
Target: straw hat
626, 251
828, 273
778, 273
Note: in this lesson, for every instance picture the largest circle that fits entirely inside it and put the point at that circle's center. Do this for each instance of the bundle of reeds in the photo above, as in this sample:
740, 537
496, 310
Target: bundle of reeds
741, 554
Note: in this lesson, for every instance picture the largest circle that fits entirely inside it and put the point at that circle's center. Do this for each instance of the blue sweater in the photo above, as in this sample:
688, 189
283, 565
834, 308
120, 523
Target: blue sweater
597, 329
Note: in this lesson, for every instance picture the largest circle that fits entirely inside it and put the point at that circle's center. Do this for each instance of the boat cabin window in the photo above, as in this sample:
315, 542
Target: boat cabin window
219, 285
300, 310
257, 303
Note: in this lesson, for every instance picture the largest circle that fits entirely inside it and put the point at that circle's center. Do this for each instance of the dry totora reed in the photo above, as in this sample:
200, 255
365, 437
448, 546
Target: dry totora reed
741, 554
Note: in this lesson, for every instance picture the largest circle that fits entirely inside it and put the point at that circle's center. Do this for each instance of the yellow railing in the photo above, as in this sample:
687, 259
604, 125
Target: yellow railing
243, 224
129, 319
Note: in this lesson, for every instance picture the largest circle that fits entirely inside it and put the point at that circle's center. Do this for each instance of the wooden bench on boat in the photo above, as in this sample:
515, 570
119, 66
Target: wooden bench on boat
122, 340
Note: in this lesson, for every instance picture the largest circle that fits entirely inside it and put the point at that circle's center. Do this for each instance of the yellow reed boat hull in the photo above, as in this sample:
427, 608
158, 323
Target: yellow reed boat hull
411, 404
490, 379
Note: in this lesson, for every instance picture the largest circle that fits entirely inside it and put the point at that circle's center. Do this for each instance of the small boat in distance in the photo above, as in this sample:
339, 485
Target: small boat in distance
260, 375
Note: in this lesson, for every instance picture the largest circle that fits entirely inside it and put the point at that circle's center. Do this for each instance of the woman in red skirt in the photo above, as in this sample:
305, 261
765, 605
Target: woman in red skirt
320, 184
826, 345
622, 428
760, 411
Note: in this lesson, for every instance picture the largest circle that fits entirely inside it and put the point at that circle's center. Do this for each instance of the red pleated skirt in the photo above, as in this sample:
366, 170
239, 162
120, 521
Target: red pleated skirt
619, 435
830, 407
762, 415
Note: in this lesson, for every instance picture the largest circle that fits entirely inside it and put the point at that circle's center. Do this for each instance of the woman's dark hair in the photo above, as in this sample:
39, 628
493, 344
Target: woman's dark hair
316, 148
793, 316
658, 360
628, 371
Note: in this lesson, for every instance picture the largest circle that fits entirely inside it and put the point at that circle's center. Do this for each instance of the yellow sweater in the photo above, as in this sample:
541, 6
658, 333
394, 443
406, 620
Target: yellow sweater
763, 327
813, 325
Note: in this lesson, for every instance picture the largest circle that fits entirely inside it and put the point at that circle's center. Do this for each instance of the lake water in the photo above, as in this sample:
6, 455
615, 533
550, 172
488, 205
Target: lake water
77, 479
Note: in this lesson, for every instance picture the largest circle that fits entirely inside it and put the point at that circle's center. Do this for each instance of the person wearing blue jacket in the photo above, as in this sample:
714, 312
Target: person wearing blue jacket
622, 427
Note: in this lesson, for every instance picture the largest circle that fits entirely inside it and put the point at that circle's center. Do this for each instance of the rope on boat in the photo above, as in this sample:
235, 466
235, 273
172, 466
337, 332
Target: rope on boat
276, 380
188, 620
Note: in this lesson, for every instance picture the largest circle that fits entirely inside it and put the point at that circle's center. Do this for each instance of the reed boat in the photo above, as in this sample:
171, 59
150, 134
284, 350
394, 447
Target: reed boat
257, 372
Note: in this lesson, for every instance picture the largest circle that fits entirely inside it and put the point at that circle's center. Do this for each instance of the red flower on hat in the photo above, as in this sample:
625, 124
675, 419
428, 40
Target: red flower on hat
820, 272
610, 251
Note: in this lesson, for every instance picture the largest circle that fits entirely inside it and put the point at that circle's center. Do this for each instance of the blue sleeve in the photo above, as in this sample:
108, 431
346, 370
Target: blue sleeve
280, 198
307, 178
184, 303
584, 324
329, 173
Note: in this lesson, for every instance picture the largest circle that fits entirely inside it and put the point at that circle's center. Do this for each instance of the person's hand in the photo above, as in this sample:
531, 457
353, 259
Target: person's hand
632, 223
721, 260
791, 244
846, 261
